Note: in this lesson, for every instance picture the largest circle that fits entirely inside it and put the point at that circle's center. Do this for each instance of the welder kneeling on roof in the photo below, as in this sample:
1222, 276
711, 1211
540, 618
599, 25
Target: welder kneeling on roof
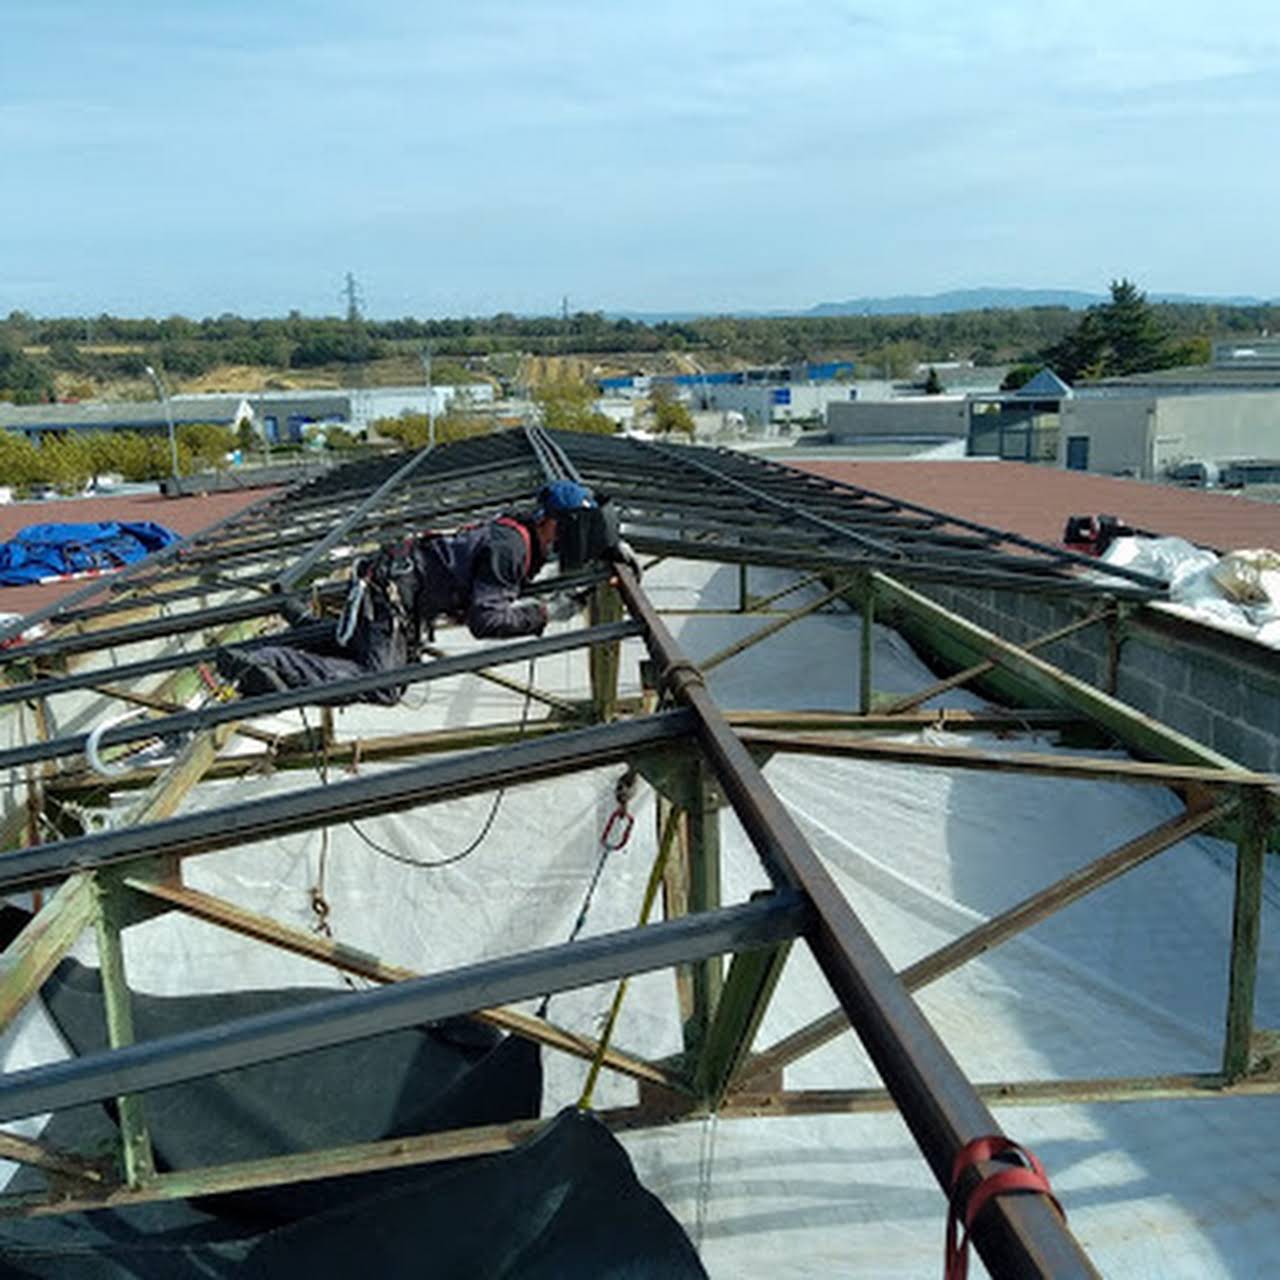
473, 575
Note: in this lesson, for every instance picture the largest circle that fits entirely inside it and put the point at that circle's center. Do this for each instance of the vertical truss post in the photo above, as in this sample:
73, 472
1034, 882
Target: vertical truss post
744, 596
135, 1140
700, 842
605, 659
749, 986
868, 644
1245, 928
690, 880
675, 901
1115, 639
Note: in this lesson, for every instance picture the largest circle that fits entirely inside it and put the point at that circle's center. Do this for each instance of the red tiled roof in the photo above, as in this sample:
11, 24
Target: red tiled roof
1036, 501
182, 515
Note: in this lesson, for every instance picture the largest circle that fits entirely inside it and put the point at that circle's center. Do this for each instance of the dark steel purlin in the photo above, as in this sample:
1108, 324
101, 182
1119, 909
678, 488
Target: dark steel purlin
341, 1019
190, 619
216, 713
777, 503
1060, 554
864, 517
1020, 1235
269, 548
363, 796
324, 498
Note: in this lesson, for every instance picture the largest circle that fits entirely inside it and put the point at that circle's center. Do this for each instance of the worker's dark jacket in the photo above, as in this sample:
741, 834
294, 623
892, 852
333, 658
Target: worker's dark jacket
474, 576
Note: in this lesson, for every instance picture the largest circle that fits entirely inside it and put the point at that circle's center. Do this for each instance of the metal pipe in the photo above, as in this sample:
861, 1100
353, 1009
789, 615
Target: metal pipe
304, 563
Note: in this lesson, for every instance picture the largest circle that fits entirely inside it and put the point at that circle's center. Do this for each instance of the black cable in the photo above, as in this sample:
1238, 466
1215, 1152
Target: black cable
427, 863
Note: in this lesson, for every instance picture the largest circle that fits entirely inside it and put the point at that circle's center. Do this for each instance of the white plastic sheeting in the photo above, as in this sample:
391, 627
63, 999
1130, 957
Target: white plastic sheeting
1131, 980
1239, 592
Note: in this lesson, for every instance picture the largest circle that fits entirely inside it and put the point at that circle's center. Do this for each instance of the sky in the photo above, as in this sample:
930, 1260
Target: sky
211, 156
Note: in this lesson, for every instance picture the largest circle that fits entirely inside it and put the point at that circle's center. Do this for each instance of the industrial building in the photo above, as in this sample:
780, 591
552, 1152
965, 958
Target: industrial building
765, 397
1147, 426
282, 416
787, 886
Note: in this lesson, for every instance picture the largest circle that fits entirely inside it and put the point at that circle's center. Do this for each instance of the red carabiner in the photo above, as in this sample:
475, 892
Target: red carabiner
628, 821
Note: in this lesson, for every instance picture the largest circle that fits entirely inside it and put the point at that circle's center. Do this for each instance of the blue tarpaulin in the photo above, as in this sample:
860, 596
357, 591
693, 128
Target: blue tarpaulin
42, 551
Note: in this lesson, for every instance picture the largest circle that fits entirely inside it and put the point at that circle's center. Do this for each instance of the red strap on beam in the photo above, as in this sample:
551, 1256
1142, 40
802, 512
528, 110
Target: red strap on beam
1028, 1176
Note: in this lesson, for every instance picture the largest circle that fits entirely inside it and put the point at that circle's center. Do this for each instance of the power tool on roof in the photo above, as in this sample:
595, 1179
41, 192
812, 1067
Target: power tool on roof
1092, 535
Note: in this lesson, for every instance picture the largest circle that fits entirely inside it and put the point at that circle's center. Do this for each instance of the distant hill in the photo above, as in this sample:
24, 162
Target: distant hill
936, 304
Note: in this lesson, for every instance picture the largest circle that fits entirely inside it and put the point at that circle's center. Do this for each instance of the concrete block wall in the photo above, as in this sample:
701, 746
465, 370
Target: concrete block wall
1220, 689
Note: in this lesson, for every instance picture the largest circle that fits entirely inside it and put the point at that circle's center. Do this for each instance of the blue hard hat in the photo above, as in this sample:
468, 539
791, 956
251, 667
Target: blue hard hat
562, 495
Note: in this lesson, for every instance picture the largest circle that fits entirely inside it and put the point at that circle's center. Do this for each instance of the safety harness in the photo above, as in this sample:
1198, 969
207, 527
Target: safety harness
384, 590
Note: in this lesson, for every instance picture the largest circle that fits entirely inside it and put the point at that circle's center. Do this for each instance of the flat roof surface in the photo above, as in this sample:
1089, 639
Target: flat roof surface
183, 515
1036, 501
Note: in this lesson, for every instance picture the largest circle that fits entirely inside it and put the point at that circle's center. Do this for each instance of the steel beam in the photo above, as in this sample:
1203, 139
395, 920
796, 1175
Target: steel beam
605, 660
1140, 733
1092, 768
51, 1160
34, 954
1020, 1235
866, 647
913, 700
275, 1171
342, 1019
748, 988
299, 569
339, 691
1205, 1086
137, 1159
1246, 925
769, 629
250, 924
274, 816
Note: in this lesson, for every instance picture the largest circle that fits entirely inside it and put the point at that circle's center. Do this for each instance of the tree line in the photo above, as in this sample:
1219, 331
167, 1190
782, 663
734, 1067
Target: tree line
71, 461
33, 350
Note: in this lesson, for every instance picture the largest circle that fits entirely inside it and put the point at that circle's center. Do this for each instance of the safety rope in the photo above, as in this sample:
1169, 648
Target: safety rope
614, 837
319, 903
665, 842
1018, 1178
706, 1161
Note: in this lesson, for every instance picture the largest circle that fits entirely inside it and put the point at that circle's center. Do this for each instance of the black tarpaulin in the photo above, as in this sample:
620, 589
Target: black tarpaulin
567, 1203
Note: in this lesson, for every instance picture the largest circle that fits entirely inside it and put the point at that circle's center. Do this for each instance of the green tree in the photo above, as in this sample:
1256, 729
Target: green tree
897, 359
669, 414
569, 405
339, 439
18, 460
205, 444
247, 438
23, 378
1020, 375
1112, 339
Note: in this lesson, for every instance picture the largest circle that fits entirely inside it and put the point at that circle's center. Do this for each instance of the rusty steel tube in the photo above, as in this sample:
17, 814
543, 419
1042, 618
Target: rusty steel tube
1020, 1235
